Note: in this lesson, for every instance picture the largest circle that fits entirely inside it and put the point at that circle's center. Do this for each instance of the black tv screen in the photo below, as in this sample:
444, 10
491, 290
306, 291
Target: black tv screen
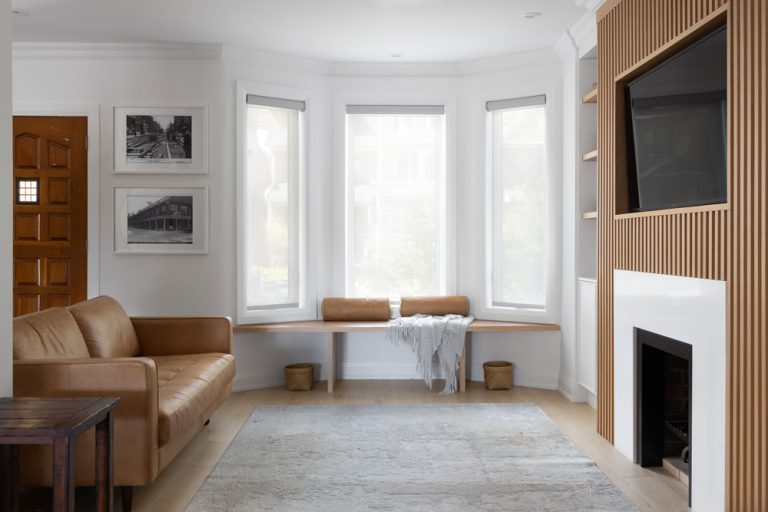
677, 125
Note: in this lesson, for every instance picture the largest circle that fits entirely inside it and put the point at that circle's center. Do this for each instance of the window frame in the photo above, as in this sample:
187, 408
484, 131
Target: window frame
306, 308
448, 207
483, 306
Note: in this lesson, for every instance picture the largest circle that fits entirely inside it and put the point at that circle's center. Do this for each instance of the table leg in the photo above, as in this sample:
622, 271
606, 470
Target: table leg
331, 371
63, 474
9, 477
463, 366
104, 465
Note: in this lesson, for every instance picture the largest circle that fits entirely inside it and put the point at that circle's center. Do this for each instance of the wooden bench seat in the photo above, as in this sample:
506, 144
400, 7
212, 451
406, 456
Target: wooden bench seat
331, 329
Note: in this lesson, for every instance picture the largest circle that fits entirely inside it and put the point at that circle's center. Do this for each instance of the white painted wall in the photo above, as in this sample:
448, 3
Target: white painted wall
191, 285
188, 284
6, 230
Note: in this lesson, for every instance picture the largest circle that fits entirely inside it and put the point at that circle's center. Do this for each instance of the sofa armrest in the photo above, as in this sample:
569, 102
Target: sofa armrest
133, 379
183, 335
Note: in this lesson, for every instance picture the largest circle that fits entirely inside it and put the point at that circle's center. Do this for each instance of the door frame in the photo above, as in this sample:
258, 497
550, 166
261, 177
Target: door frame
92, 113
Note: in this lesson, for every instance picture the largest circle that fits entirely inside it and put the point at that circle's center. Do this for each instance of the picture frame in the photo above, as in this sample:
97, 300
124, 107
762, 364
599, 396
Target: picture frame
170, 220
161, 140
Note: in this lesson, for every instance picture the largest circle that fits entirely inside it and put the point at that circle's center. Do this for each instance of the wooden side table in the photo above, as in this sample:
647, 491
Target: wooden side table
56, 421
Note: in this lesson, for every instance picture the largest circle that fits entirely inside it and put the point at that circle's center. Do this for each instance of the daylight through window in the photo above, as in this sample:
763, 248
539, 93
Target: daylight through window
396, 168
273, 209
518, 192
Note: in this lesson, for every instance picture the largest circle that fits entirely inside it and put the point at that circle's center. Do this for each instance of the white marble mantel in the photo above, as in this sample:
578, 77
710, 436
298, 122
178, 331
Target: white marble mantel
692, 311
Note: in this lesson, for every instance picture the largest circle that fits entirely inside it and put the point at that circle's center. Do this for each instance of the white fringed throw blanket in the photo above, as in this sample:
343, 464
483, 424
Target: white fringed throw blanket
430, 335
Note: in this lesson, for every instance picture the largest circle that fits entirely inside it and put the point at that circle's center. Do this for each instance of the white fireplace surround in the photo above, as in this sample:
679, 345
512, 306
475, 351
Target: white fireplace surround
692, 311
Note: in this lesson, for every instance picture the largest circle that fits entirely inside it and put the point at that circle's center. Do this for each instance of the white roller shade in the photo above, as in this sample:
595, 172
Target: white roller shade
396, 109
528, 101
264, 101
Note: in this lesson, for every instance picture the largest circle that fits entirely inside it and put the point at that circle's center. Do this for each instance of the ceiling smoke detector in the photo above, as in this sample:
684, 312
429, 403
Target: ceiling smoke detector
531, 15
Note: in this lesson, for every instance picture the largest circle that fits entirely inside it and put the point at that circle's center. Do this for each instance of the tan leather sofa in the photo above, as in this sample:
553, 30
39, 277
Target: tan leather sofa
171, 374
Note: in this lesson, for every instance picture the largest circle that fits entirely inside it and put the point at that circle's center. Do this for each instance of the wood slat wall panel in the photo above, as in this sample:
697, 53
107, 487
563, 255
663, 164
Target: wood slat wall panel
729, 244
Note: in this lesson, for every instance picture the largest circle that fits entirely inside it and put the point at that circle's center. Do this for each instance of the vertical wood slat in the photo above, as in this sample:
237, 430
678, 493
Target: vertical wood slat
729, 245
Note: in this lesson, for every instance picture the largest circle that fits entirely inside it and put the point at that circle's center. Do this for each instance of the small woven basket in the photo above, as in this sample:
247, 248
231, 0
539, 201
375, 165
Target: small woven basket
498, 374
300, 376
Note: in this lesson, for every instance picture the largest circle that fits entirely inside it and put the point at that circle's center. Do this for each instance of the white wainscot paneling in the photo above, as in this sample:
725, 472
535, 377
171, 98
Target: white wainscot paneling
587, 372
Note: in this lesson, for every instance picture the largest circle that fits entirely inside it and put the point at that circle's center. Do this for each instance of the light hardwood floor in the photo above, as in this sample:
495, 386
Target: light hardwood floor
650, 490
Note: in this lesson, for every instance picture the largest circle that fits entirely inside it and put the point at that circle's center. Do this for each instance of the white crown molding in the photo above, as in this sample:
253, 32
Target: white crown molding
529, 59
581, 37
533, 58
565, 46
591, 5
274, 60
81, 51
195, 51
392, 69
584, 32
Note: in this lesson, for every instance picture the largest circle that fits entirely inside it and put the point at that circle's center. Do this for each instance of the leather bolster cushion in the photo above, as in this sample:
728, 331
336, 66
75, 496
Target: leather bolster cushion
438, 306
339, 309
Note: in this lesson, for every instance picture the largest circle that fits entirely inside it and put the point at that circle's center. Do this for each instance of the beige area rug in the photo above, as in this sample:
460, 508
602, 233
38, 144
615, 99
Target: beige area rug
430, 458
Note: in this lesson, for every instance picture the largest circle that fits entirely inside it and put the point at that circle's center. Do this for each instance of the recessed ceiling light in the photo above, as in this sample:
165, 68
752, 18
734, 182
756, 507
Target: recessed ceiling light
531, 15
19, 12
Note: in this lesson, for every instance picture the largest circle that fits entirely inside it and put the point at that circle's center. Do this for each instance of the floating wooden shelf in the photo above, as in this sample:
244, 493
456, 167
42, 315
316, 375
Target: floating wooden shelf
590, 97
590, 157
589, 215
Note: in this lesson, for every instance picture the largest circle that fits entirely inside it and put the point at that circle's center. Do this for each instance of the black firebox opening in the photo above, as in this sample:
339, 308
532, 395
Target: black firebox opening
663, 399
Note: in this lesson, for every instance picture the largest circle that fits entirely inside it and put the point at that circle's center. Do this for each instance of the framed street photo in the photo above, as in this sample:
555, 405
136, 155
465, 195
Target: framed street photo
161, 220
156, 140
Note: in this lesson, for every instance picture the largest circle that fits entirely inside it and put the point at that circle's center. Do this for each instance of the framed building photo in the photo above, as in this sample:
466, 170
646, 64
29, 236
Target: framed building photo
161, 220
161, 140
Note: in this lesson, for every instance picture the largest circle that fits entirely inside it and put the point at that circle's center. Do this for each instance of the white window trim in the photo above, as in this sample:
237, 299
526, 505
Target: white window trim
307, 309
448, 198
482, 303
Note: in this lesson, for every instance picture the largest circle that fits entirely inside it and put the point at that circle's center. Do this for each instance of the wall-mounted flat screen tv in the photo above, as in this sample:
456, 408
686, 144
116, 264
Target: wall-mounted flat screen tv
677, 129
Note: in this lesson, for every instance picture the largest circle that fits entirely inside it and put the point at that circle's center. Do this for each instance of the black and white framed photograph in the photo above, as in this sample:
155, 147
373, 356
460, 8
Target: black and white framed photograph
161, 140
161, 220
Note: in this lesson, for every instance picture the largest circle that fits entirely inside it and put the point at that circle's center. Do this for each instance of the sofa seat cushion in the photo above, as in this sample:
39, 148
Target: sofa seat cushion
187, 386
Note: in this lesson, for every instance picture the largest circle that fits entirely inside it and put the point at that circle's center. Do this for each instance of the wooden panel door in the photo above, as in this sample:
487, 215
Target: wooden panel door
50, 168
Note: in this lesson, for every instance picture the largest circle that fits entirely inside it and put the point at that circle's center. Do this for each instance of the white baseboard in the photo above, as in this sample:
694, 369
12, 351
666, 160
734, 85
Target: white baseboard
528, 377
382, 371
591, 399
571, 390
257, 382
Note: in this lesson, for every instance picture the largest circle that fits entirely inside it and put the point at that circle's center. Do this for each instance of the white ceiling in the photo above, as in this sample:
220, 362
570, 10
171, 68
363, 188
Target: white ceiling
331, 30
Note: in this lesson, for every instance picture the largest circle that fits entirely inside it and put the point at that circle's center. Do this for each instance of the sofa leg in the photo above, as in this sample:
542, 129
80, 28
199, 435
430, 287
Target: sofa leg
207, 422
126, 495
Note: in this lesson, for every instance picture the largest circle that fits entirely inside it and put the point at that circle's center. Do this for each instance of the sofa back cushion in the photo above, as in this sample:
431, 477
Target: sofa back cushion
107, 330
49, 334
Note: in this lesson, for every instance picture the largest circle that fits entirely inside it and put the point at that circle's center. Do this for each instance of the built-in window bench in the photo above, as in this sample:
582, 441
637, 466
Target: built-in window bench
332, 329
